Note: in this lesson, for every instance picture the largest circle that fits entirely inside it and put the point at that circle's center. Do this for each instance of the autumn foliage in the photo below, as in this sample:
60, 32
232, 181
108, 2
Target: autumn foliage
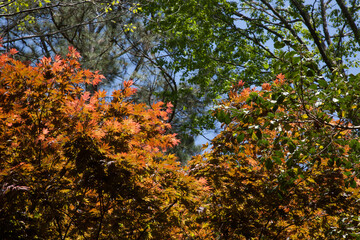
81, 165
76, 165
276, 173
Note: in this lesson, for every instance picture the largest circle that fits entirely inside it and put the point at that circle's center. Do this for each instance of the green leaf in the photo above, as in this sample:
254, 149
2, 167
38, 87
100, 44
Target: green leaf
223, 117
258, 134
287, 127
266, 65
269, 164
240, 137
322, 83
330, 163
312, 65
310, 73
290, 54
277, 159
275, 107
296, 59
292, 146
270, 115
353, 183
313, 87
290, 162
279, 45
281, 99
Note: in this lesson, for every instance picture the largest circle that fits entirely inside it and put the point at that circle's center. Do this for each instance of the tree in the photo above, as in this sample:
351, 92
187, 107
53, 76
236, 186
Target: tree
275, 172
111, 37
80, 165
244, 31
190, 52
214, 44
92, 27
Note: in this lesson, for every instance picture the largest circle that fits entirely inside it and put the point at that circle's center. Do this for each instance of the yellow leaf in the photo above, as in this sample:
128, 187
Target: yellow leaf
65, 190
254, 137
311, 180
94, 211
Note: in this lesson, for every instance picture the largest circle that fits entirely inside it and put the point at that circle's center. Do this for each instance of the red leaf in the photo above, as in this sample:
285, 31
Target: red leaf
73, 53
13, 51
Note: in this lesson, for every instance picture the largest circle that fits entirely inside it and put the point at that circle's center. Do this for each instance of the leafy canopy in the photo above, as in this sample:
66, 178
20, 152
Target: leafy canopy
76, 165
279, 169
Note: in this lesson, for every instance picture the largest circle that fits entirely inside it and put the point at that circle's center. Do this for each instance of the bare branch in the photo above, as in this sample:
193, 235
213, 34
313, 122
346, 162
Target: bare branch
320, 45
55, 32
29, 10
324, 22
6, 4
349, 20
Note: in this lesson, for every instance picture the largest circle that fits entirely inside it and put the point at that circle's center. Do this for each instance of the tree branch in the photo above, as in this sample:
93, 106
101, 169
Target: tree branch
324, 22
52, 33
41, 8
285, 22
157, 215
320, 45
349, 20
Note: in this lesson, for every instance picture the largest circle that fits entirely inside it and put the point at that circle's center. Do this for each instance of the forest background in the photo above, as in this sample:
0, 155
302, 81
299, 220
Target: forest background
280, 77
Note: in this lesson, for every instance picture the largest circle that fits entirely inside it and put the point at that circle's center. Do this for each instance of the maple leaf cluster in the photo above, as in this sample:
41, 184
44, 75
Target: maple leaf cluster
76, 164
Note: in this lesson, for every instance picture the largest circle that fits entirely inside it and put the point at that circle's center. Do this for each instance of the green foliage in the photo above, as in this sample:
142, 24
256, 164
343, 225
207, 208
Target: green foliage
279, 169
214, 44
